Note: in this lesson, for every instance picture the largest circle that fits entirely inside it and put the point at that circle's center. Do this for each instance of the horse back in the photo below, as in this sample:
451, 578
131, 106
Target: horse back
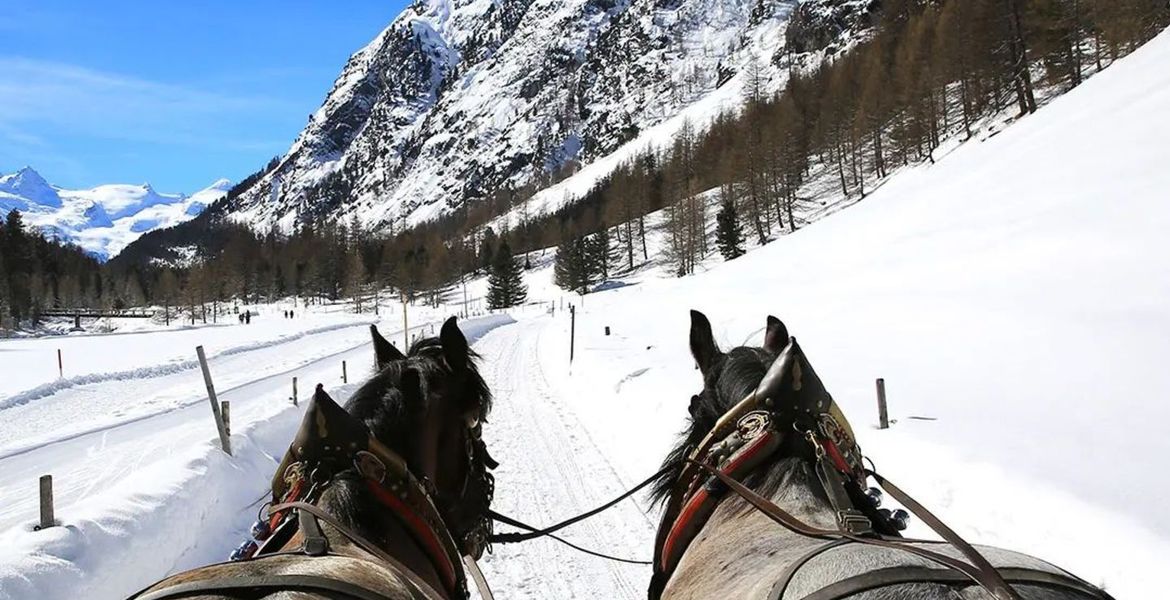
745, 555
380, 580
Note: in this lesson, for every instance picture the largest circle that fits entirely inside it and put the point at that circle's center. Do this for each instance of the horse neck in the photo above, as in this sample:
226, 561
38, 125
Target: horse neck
375, 523
792, 485
744, 542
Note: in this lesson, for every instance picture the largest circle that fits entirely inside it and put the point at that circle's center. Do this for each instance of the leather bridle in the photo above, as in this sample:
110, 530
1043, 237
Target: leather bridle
332, 446
791, 401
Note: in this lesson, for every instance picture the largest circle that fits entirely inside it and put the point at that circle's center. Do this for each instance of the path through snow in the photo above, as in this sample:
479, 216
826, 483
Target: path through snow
549, 470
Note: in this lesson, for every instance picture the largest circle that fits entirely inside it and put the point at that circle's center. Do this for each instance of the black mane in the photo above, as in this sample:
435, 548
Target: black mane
734, 375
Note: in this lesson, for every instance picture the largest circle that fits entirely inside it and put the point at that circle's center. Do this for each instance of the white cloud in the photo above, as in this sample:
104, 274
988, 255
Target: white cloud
73, 100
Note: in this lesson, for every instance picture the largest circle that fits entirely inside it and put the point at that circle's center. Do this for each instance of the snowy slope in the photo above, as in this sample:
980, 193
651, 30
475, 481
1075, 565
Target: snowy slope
105, 219
26, 188
459, 99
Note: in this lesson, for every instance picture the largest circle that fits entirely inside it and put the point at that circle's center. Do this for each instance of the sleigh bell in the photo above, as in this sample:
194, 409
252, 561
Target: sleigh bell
874, 495
898, 519
261, 530
244, 551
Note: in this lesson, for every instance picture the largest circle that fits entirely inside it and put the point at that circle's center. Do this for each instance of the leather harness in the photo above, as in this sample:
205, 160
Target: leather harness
330, 442
750, 433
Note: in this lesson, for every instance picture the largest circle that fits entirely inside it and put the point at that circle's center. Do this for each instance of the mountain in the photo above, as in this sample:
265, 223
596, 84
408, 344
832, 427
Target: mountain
25, 188
104, 219
459, 99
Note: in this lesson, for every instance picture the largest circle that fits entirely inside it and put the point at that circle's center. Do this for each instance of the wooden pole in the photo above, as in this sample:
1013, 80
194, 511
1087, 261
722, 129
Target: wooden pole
47, 518
344, 375
224, 441
405, 325
294, 396
883, 414
572, 331
225, 408
60, 365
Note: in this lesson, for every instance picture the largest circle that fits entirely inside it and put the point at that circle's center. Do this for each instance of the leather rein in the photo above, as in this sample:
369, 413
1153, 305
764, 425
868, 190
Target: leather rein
748, 434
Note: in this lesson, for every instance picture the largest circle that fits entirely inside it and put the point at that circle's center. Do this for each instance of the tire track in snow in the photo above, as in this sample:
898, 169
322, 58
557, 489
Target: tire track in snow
550, 469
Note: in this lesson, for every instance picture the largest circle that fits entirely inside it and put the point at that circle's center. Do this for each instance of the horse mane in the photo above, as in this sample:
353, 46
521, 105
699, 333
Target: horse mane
732, 377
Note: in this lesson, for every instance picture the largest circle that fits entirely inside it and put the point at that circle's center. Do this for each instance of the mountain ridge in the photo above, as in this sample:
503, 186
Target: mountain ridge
104, 219
459, 100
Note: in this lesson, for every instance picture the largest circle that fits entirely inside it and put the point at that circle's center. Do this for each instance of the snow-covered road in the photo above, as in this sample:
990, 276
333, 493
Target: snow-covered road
550, 469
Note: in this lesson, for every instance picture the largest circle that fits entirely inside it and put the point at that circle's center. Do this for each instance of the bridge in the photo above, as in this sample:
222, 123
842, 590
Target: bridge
97, 313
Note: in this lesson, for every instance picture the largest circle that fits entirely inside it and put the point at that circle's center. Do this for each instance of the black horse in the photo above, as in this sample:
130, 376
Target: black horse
381, 499
781, 509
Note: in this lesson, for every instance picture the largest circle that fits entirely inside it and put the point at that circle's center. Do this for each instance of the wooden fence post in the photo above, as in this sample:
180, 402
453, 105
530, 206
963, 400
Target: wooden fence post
225, 408
344, 375
47, 518
883, 414
405, 325
60, 365
294, 396
224, 441
572, 331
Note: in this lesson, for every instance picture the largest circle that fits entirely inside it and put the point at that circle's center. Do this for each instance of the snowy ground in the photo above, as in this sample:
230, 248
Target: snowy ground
1015, 293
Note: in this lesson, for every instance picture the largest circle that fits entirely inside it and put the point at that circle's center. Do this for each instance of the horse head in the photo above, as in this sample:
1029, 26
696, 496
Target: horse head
403, 456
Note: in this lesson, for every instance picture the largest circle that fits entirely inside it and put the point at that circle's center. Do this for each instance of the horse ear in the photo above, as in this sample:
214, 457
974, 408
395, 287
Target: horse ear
775, 336
703, 346
384, 352
454, 345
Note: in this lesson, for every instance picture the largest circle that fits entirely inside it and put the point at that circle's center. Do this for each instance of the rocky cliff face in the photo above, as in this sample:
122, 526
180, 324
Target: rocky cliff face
458, 99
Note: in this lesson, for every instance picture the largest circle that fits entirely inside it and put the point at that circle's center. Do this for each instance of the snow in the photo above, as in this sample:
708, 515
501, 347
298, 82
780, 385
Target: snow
30, 188
453, 97
1014, 294
105, 219
134, 454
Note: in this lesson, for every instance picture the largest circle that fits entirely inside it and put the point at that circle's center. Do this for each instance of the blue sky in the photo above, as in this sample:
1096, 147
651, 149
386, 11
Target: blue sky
175, 93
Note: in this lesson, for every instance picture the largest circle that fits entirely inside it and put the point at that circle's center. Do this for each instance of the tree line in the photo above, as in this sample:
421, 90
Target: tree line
37, 272
928, 71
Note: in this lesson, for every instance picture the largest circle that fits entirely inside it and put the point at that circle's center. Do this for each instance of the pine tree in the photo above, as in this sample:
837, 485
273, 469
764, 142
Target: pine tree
728, 234
571, 268
4, 300
506, 286
487, 250
19, 265
597, 255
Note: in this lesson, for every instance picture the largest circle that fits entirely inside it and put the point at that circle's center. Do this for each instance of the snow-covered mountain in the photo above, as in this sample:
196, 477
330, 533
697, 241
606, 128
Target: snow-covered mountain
458, 99
105, 219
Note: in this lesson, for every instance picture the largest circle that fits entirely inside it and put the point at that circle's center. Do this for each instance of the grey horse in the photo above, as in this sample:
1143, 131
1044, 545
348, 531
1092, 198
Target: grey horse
739, 551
